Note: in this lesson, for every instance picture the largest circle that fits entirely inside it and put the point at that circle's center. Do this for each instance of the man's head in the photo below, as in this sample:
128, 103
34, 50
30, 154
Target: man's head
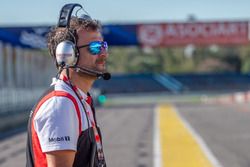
85, 33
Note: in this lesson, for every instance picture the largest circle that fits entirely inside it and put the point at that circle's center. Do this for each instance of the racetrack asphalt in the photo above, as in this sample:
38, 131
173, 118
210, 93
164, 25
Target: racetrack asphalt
128, 134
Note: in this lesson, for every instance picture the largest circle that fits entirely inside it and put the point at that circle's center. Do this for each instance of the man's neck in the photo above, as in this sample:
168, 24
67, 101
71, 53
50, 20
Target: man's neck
81, 81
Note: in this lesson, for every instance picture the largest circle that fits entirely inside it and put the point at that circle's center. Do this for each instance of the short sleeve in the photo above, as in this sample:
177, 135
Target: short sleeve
56, 125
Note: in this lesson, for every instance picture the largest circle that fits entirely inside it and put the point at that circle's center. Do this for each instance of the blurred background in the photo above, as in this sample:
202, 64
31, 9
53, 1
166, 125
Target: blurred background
192, 55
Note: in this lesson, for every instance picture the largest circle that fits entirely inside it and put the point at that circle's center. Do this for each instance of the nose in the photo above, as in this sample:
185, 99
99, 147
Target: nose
104, 53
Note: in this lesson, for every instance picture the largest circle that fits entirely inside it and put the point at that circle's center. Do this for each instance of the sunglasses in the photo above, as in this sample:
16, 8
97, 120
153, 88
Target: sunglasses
95, 47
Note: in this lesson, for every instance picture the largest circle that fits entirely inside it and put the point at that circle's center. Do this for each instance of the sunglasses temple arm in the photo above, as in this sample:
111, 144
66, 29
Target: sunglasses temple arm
79, 47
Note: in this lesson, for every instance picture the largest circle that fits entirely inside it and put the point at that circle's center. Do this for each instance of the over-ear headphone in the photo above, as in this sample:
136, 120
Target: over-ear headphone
66, 52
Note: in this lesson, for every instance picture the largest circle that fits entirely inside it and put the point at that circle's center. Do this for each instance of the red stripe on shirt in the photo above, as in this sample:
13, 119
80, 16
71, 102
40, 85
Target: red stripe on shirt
39, 156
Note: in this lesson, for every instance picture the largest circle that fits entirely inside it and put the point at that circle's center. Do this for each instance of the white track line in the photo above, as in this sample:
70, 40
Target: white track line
156, 140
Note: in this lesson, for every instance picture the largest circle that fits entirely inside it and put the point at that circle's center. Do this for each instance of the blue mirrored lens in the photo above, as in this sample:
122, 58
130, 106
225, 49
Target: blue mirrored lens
96, 47
105, 45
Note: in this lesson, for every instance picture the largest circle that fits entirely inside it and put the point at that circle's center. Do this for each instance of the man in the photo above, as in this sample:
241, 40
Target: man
62, 130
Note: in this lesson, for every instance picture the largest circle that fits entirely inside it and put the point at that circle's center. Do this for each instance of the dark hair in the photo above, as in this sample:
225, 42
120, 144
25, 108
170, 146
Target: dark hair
59, 34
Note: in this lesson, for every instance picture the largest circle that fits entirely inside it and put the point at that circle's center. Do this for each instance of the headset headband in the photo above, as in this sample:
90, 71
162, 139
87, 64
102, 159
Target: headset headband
65, 14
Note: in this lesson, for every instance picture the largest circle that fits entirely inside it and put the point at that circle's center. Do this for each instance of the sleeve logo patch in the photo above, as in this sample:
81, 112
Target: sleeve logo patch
59, 139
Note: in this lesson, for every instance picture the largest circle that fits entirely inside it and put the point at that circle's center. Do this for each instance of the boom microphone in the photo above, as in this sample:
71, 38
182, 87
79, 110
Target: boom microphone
105, 76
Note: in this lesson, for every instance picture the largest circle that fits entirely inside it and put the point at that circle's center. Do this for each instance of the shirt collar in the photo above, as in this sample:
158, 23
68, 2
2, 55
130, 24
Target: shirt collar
84, 95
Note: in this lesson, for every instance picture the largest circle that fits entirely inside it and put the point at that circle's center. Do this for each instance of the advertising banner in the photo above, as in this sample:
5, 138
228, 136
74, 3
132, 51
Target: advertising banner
199, 33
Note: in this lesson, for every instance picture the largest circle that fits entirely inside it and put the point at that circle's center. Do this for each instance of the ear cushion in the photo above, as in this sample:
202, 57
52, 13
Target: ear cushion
66, 53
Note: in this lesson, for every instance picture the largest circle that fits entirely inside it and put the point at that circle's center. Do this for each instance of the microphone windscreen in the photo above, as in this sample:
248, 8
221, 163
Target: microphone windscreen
106, 76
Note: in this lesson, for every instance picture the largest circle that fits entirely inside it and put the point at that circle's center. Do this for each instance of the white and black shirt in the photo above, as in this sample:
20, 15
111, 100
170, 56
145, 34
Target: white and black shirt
58, 122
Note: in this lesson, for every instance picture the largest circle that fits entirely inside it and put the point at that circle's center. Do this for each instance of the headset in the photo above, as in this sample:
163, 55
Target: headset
67, 53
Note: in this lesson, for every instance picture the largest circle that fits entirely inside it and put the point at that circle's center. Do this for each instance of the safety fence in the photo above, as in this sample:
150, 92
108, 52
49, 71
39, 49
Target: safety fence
24, 73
